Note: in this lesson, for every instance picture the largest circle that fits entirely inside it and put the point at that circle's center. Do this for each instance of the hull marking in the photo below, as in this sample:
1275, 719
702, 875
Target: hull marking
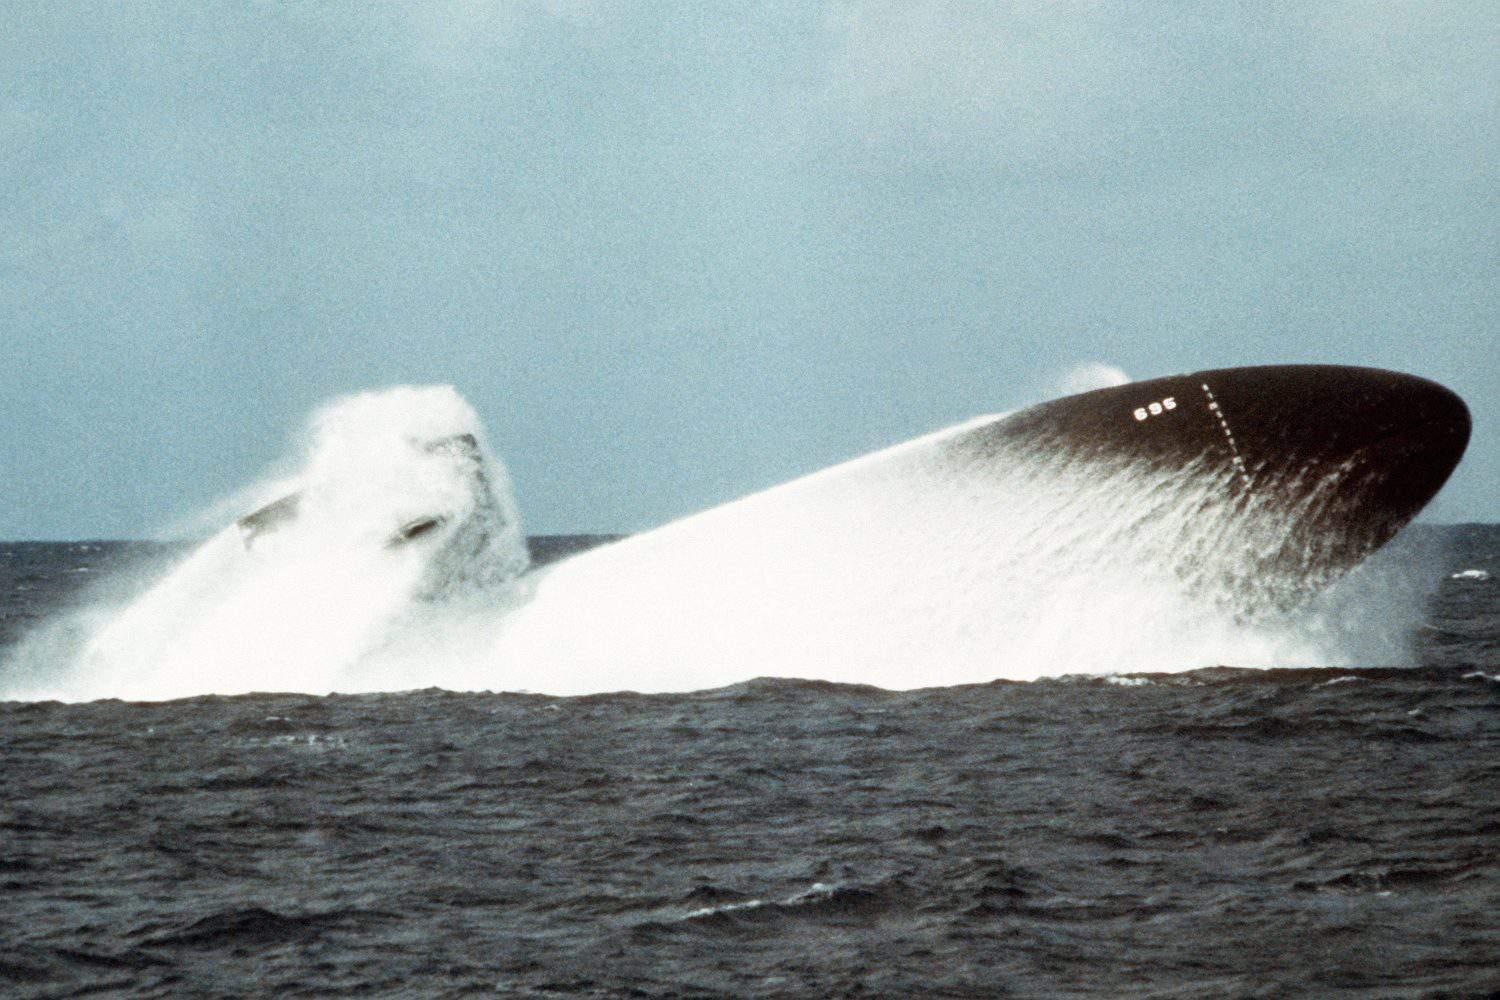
1234, 449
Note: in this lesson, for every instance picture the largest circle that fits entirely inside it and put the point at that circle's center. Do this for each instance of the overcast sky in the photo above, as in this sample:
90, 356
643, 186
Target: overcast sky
673, 255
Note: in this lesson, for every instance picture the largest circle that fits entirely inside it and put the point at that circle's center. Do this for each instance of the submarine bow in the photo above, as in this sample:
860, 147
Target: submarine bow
1307, 468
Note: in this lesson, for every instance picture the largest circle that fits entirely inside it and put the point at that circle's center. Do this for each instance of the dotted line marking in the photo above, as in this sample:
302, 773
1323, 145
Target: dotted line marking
1234, 449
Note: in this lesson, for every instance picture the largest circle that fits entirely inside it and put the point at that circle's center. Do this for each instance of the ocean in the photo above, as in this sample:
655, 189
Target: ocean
1218, 832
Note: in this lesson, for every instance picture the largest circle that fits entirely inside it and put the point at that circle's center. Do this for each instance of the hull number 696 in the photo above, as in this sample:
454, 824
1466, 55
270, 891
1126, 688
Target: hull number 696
1155, 409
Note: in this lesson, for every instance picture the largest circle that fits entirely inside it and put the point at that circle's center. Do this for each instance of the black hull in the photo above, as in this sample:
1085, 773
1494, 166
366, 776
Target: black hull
1306, 469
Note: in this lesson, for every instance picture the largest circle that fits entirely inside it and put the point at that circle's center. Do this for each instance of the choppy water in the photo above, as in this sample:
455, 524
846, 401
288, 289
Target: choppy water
1315, 832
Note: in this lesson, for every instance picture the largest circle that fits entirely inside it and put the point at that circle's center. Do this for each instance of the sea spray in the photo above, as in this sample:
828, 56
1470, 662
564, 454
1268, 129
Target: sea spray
936, 563
294, 596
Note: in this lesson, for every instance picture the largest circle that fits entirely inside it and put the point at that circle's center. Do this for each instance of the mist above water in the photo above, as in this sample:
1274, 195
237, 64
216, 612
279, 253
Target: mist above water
907, 568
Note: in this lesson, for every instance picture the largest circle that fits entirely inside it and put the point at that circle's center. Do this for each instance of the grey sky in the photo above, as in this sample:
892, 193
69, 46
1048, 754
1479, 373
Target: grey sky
672, 257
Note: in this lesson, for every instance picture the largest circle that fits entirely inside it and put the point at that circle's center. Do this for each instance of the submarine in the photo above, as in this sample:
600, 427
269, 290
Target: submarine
1340, 457
1161, 525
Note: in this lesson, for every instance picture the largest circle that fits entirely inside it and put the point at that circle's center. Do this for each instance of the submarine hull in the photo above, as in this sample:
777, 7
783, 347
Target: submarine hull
1151, 526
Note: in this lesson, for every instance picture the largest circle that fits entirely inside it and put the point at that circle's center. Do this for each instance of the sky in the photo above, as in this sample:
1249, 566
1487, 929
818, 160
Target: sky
676, 254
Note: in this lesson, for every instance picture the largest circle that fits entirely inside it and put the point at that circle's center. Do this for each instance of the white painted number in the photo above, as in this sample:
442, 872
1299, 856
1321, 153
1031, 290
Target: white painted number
1155, 408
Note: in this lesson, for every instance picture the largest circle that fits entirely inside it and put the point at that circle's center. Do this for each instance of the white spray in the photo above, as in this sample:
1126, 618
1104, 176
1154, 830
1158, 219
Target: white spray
906, 569
299, 602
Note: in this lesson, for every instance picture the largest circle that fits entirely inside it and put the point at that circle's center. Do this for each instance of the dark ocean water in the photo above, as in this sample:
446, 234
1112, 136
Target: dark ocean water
1220, 833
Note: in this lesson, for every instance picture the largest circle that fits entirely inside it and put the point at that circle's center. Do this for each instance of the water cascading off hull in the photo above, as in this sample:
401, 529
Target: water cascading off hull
1155, 525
